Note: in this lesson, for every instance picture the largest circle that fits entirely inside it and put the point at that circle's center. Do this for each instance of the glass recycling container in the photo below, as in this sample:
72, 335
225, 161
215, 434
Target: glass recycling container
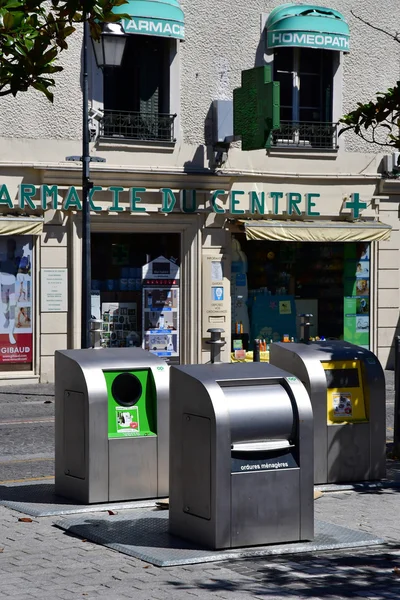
111, 425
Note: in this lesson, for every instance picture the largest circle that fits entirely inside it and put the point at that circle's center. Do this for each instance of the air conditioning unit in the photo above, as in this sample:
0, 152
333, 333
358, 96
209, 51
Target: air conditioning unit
222, 116
391, 163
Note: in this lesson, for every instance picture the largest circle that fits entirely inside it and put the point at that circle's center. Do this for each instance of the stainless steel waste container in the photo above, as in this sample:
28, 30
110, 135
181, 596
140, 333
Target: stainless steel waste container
111, 424
241, 455
346, 385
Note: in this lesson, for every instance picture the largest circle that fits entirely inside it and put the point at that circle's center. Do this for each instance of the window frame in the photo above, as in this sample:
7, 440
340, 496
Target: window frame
96, 98
267, 58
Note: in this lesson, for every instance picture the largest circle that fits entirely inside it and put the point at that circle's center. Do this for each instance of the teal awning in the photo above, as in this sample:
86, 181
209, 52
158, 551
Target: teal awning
163, 18
307, 26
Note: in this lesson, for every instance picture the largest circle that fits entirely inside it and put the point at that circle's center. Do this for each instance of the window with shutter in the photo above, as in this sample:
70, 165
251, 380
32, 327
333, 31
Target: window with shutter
306, 96
136, 95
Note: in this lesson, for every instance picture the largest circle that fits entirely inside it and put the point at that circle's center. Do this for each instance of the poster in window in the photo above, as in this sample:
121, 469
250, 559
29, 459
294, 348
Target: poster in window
16, 294
160, 309
119, 328
357, 293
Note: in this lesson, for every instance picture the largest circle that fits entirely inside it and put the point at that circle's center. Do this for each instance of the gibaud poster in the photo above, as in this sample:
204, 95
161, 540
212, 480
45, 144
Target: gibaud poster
16, 299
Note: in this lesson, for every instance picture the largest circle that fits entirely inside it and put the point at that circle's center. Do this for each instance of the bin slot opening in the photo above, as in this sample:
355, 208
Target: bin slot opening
229, 383
342, 378
259, 413
267, 446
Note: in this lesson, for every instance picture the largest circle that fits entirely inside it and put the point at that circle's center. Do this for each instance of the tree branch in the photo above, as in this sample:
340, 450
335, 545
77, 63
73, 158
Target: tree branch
395, 37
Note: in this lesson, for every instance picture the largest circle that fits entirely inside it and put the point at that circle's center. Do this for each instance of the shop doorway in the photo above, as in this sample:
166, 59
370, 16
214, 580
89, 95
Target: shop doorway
136, 290
331, 281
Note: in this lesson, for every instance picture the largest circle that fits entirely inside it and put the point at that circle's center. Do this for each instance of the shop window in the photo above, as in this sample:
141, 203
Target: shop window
306, 77
16, 294
273, 283
137, 94
137, 304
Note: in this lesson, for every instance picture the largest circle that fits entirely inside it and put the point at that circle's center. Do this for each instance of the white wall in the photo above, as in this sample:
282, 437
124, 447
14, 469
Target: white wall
222, 39
388, 300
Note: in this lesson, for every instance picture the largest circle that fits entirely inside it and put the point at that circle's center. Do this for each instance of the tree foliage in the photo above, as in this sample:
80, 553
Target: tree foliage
377, 121
34, 32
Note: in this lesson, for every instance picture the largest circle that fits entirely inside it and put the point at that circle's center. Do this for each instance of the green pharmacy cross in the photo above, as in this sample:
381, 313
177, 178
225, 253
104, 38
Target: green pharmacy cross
355, 205
256, 108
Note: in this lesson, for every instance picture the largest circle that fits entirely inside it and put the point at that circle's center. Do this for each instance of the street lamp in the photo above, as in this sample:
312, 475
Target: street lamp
108, 52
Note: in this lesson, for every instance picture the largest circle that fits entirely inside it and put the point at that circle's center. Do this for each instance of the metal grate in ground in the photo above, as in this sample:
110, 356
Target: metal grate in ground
38, 499
144, 534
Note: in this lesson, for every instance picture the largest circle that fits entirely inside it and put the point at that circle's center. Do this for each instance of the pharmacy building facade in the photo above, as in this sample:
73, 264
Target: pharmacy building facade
223, 195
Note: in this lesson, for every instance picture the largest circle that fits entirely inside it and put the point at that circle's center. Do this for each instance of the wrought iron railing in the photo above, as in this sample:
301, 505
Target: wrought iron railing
157, 127
308, 134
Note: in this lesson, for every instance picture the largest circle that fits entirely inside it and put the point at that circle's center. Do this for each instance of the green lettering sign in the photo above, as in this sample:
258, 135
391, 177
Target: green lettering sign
6, 199
72, 199
276, 196
116, 192
135, 199
310, 204
294, 199
217, 209
235, 202
257, 203
168, 200
26, 193
192, 207
46, 191
92, 191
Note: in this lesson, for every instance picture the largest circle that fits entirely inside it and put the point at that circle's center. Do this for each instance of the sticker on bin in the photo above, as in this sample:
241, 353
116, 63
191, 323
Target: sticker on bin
217, 294
342, 405
128, 421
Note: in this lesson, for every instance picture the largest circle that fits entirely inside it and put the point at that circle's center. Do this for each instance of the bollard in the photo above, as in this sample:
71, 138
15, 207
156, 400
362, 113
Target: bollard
396, 433
216, 344
256, 351
305, 328
95, 332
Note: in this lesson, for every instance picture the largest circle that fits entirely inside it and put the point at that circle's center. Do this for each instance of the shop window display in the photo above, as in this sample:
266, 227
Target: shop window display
16, 303
118, 290
328, 280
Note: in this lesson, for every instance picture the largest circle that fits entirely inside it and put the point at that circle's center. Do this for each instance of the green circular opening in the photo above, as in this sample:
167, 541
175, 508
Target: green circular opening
126, 389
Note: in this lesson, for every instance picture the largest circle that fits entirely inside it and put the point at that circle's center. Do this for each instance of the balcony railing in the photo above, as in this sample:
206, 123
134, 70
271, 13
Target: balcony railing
307, 134
154, 127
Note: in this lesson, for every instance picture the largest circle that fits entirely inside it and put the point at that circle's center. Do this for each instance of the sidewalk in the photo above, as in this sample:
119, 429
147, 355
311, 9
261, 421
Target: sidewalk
38, 560
41, 561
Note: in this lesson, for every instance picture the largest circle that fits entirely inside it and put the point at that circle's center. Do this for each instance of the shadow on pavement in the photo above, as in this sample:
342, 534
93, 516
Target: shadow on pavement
374, 574
33, 493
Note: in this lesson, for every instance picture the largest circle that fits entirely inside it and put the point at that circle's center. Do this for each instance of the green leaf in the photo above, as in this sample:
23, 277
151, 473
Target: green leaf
8, 20
42, 87
20, 49
49, 56
69, 30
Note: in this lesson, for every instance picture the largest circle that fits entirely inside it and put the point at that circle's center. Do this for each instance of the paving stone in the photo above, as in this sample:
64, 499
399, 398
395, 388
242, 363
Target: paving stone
40, 562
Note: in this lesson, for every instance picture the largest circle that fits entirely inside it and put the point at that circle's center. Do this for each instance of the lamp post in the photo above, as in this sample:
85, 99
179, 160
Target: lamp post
86, 186
108, 52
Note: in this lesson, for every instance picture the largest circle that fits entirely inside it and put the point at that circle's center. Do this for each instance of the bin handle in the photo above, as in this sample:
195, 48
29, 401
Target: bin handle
267, 446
